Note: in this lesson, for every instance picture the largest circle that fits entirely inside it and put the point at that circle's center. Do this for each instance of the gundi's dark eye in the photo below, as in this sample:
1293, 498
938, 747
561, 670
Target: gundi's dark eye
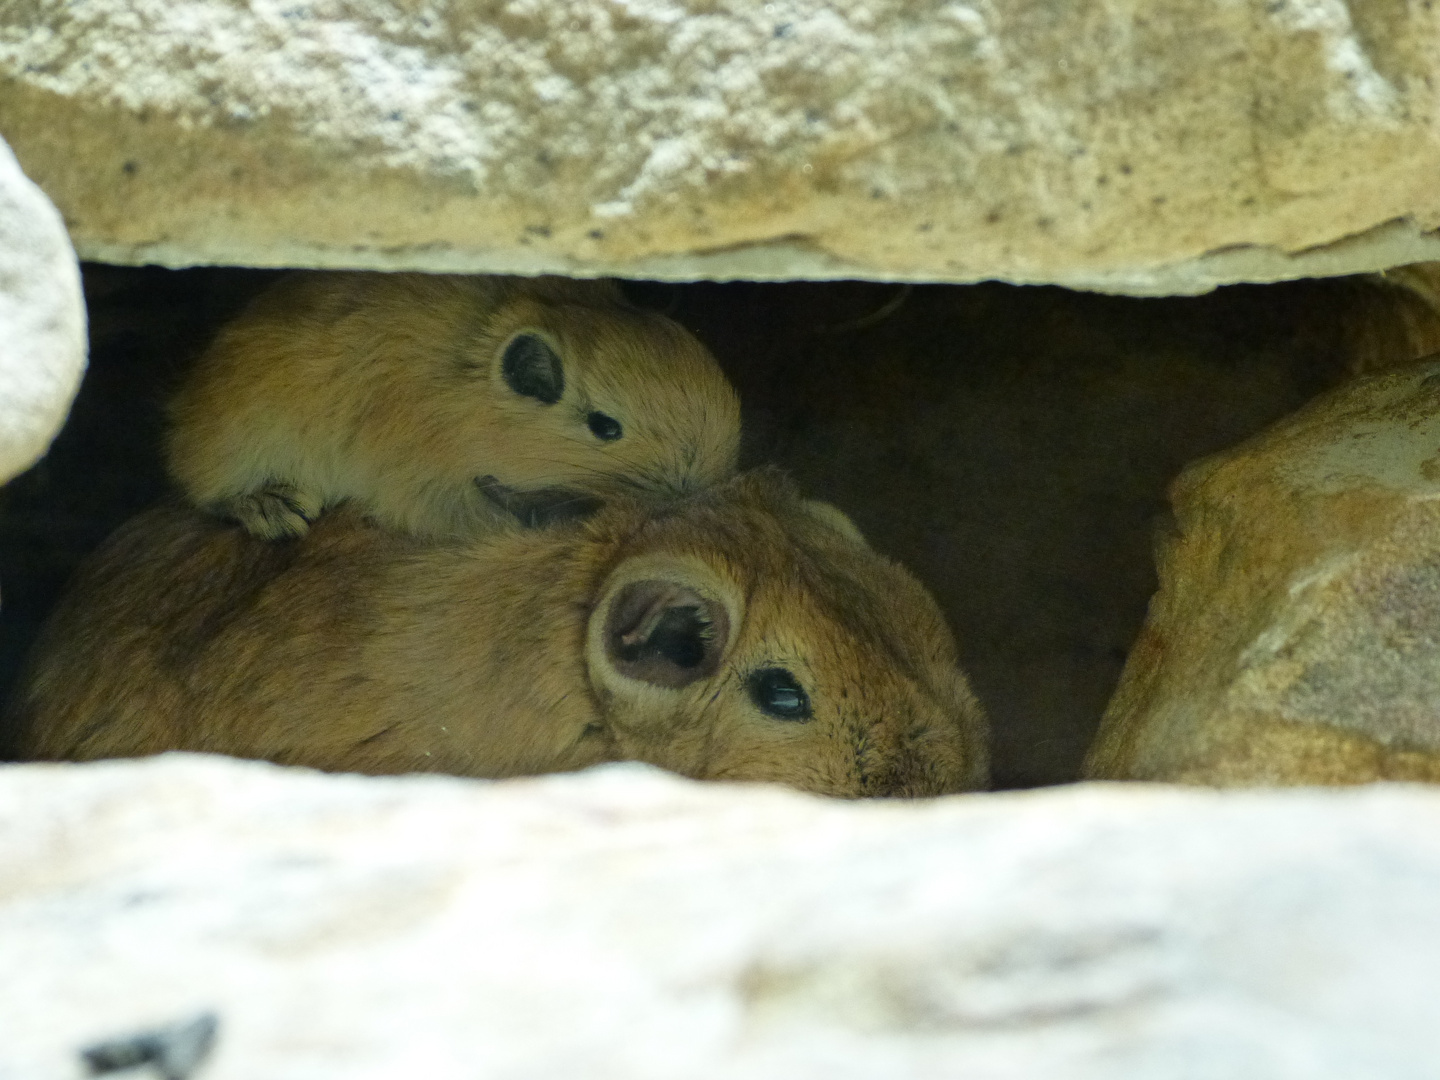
605, 428
779, 694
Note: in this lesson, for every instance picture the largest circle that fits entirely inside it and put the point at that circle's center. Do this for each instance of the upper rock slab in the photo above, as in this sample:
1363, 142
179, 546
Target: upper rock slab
1105, 145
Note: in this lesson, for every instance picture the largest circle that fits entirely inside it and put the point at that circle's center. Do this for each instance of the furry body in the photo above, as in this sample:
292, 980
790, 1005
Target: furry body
744, 634
392, 391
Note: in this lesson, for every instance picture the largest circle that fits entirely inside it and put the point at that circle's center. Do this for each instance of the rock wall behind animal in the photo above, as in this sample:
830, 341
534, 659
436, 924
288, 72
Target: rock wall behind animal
1011, 445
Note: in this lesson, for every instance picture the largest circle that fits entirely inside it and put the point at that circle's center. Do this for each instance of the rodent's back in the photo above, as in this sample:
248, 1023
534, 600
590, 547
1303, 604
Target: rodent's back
160, 642
337, 652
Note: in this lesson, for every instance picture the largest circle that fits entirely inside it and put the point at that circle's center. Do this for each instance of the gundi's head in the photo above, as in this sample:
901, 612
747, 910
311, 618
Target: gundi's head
596, 397
747, 633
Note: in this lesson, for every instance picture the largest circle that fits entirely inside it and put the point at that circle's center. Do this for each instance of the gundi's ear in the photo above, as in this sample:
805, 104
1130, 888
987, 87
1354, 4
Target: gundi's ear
532, 368
838, 520
665, 634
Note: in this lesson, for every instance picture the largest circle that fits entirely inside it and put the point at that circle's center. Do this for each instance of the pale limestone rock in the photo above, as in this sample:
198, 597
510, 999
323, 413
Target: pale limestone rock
1106, 145
42, 321
1295, 637
627, 924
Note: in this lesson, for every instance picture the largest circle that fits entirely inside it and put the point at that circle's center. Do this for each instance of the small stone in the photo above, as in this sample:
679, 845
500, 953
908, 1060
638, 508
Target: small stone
175, 1051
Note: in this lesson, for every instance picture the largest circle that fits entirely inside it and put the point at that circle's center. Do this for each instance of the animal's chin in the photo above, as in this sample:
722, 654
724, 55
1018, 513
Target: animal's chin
540, 507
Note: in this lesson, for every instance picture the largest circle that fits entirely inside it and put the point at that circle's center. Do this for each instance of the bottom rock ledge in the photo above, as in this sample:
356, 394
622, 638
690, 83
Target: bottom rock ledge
625, 923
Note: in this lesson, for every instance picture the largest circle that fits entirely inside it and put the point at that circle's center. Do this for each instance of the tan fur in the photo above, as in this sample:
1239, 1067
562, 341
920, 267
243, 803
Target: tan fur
359, 649
386, 389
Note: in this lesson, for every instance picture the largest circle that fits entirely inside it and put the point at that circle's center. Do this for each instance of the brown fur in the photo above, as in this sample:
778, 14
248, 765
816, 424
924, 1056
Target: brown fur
359, 649
387, 390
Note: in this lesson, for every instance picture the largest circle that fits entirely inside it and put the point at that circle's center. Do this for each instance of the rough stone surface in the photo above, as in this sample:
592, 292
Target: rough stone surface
1398, 318
631, 925
1295, 637
42, 320
1096, 144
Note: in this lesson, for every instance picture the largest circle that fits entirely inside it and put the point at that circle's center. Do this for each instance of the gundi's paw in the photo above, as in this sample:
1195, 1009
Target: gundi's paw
274, 512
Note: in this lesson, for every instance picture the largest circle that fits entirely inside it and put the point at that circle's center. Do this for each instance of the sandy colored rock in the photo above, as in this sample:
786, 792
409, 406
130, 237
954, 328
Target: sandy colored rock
1295, 637
626, 924
42, 321
1393, 317
1094, 144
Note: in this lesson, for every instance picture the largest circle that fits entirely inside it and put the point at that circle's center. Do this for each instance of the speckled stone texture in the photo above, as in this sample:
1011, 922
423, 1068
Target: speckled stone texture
623, 923
1116, 146
42, 321
1296, 634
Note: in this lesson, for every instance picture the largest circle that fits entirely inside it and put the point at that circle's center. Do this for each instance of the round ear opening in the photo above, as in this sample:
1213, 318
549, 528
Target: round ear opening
665, 634
533, 369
